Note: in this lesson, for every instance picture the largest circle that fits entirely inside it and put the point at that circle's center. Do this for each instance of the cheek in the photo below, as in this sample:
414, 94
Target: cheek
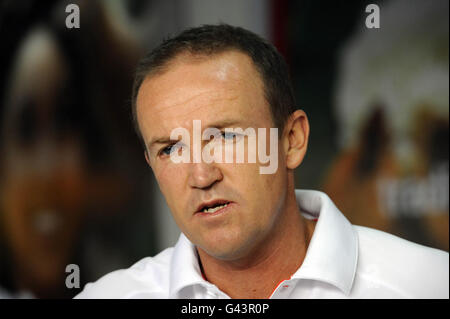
265, 190
171, 179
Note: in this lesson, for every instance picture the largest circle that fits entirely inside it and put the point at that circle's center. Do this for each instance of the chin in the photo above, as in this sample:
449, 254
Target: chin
227, 249
224, 255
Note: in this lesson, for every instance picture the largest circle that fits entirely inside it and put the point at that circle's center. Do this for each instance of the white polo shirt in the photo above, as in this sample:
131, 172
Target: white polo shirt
342, 261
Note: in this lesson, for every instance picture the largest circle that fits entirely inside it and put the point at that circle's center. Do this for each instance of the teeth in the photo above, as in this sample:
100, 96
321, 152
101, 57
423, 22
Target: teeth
214, 209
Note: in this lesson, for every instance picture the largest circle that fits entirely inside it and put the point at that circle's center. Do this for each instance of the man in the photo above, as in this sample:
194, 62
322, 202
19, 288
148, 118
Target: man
247, 234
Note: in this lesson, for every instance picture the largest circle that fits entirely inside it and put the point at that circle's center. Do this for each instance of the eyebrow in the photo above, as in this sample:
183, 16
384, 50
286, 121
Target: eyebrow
160, 140
222, 124
219, 125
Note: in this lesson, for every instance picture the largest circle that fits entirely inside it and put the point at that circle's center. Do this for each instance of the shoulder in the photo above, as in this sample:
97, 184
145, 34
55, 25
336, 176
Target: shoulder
148, 278
406, 269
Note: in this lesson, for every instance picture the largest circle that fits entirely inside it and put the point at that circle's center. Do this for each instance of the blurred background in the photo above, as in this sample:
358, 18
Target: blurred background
74, 185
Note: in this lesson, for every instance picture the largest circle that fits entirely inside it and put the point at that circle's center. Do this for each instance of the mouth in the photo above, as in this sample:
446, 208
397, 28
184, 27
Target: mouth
46, 222
214, 207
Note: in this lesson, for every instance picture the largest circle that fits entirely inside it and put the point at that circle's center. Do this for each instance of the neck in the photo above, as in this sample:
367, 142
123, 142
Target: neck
276, 259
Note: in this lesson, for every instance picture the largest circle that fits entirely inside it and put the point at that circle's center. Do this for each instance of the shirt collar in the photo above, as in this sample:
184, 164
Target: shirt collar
333, 250
331, 256
184, 267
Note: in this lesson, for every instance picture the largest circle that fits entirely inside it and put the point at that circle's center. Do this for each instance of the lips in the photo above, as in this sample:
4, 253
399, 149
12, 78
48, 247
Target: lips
212, 207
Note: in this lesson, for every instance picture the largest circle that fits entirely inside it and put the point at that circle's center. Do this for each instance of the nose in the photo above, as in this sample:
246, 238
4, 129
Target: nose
204, 175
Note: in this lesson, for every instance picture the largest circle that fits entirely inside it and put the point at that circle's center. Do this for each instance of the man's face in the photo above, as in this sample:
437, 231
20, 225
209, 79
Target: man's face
221, 91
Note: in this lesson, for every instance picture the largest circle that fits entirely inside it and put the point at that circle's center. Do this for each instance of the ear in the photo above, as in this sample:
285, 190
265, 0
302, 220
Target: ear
295, 138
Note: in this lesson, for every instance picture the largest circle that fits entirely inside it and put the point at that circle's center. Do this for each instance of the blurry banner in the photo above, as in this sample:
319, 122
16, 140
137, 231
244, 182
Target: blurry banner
70, 167
392, 109
74, 185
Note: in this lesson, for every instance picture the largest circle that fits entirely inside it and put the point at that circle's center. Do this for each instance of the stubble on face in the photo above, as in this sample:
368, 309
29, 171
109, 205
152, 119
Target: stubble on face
223, 87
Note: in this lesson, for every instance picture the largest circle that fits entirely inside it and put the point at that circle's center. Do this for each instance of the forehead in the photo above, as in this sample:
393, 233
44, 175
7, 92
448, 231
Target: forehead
205, 88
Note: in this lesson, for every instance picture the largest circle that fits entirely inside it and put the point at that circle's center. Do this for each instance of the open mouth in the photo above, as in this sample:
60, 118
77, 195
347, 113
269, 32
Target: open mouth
212, 207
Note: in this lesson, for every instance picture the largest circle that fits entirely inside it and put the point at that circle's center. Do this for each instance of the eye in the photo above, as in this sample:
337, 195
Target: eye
229, 136
169, 149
